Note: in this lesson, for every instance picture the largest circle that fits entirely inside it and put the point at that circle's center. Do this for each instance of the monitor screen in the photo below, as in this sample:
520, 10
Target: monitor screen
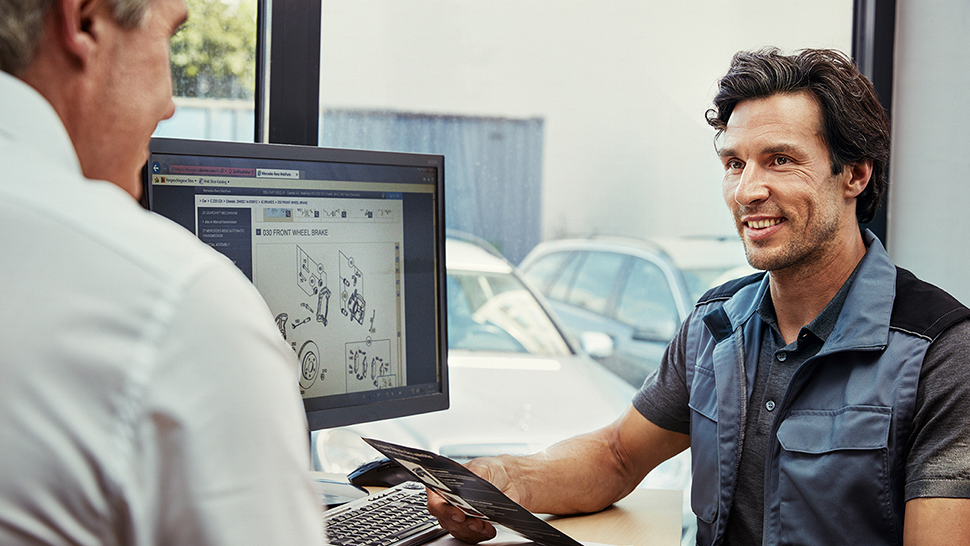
347, 249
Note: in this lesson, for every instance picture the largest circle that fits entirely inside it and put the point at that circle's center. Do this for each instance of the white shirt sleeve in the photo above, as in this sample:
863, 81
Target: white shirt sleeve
222, 439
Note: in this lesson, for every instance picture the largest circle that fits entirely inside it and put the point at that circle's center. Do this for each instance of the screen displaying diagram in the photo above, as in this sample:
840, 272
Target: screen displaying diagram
347, 249
331, 271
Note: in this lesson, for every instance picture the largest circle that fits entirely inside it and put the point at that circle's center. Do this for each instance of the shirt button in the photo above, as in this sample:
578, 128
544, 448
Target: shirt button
770, 405
781, 356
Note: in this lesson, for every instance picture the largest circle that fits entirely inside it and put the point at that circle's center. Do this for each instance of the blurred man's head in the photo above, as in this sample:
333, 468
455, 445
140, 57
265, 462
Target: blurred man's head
104, 67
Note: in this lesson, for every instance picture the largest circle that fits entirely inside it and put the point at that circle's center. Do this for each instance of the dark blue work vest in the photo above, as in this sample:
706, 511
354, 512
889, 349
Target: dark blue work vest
835, 462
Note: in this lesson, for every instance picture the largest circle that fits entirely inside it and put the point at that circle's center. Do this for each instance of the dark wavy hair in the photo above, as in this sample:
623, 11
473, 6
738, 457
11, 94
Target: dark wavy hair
855, 125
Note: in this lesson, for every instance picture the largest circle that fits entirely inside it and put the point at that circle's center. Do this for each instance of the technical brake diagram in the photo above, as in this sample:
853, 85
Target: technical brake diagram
312, 278
310, 366
369, 364
352, 302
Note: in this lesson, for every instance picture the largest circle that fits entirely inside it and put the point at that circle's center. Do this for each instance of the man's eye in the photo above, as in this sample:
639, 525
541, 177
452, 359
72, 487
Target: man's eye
734, 165
782, 160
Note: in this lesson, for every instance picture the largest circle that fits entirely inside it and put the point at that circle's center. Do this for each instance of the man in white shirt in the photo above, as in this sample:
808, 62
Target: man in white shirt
146, 396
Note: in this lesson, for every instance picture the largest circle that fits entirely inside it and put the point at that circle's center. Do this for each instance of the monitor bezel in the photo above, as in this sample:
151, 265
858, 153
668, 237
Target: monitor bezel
376, 410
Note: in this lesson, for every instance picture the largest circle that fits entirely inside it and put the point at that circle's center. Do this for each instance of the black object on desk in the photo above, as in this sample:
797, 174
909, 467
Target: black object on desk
382, 472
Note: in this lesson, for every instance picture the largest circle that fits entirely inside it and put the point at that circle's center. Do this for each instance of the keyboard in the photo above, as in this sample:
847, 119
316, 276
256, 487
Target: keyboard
397, 516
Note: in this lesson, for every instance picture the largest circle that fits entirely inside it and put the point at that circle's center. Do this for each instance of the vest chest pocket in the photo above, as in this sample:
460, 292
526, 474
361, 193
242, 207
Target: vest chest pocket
822, 431
833, 468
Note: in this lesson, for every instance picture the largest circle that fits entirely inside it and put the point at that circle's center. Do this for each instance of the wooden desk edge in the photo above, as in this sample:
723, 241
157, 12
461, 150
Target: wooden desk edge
646, 517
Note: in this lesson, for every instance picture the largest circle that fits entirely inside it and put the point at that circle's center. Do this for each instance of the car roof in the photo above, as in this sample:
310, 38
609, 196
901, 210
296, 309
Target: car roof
703, 252
684, 252
471, 255
599, 243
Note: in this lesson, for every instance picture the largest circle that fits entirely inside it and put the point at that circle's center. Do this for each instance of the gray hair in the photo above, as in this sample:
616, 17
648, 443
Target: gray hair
22, 22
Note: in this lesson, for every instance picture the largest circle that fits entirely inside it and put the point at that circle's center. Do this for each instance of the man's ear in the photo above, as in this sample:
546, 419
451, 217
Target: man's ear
78, 26
859, 175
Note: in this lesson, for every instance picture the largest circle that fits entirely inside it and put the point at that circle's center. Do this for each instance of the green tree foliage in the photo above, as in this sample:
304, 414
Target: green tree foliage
214, 54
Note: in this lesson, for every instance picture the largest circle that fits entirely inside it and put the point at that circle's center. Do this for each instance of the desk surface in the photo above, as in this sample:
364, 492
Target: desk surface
647, 517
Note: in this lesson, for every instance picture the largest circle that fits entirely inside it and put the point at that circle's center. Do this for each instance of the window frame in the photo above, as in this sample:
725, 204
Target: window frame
288, 71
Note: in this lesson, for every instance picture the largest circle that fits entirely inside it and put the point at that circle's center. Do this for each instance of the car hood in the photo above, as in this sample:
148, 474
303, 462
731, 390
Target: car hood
500, 403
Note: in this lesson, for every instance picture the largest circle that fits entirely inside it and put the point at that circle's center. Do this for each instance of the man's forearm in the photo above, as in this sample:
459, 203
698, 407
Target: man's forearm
578, 475
936, 522
589, 472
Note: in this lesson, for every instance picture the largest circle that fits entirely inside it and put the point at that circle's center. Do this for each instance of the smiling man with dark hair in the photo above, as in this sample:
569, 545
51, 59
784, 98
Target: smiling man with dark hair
824, 401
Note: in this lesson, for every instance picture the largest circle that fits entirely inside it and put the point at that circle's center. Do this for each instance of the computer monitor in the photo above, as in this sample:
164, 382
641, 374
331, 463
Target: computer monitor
347, 249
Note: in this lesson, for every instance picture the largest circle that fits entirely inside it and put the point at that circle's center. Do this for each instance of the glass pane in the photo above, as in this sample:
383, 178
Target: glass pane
594, 283
555, 118
214, 72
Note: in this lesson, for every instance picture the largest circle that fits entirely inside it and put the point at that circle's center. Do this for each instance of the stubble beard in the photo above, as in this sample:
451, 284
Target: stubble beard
803, 253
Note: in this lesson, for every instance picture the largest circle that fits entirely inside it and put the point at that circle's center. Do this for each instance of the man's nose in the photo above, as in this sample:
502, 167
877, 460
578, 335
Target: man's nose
169, 110
752, 186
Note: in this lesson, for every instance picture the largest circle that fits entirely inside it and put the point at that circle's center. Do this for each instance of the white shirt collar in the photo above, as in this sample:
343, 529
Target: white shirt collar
27, 119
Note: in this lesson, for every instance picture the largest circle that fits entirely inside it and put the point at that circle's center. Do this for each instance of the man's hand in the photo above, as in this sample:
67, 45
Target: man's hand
580, 475
464, 527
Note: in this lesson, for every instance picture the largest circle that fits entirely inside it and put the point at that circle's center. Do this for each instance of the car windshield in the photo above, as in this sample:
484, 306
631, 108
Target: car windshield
489, 311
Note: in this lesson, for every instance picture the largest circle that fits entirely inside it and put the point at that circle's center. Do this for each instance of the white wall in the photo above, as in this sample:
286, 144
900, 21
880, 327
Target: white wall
929, 213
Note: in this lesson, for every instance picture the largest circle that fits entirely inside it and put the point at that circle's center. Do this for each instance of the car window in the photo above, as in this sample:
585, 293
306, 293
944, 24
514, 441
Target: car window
561, 285
594, 281
545, 270
495, 312
647, 303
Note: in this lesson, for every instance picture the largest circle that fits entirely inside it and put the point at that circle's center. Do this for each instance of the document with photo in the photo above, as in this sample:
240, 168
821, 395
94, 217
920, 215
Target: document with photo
471, 494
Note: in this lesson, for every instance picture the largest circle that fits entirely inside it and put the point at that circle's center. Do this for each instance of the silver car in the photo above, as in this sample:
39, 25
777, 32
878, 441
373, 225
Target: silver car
636, 291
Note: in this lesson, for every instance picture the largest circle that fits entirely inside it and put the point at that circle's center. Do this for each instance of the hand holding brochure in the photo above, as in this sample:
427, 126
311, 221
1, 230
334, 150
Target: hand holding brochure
471, 494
